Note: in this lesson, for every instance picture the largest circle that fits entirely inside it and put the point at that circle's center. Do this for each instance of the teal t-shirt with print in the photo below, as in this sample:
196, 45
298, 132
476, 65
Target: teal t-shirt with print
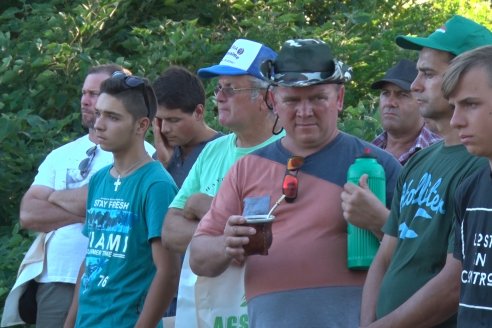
121, 220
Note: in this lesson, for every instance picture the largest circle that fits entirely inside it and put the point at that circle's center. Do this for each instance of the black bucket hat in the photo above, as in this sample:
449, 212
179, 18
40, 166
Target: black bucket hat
305, 62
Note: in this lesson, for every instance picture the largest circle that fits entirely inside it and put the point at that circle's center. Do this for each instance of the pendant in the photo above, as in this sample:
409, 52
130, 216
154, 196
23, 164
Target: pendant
117, 183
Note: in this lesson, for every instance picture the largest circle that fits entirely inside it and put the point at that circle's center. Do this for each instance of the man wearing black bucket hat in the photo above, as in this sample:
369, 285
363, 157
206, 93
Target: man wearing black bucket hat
414, 278
304, 280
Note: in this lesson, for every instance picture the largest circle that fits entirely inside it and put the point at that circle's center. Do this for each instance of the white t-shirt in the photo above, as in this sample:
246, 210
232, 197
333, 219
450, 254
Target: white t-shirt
67, 246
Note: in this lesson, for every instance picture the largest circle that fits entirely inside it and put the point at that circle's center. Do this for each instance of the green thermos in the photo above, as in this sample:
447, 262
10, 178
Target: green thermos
362, 245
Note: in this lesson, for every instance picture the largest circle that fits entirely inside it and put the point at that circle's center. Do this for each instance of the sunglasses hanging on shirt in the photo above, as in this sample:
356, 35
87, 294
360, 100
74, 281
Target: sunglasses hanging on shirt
290, 184
85, 164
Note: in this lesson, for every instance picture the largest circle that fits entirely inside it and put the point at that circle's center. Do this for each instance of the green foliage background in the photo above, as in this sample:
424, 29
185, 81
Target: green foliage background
46, 47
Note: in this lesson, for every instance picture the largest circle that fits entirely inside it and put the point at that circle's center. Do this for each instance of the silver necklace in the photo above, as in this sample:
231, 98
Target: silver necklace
117, 183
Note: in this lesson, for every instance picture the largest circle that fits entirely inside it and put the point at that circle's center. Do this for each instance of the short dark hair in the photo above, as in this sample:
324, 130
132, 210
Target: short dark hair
132, 98
177, 88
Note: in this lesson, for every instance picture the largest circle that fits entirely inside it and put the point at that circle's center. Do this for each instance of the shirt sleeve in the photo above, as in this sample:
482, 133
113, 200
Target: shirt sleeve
391, 225
190, 186
456, 246
227, 202
159, 196
46, 172
392, 169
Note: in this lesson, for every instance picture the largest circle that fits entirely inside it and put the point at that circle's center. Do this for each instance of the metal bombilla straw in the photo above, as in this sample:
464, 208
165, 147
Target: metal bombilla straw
277, 203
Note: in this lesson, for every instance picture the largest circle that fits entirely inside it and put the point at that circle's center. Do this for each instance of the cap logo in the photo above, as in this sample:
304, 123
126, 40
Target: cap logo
238, 57
457, 35
243, 58
299, 42
442, 29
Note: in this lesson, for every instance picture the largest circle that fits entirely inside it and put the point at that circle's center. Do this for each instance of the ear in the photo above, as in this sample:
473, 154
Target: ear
199, 112
142, 125
270, 101
340, 97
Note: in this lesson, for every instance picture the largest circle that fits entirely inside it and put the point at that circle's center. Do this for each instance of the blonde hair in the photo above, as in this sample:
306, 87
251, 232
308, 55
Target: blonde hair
460, 65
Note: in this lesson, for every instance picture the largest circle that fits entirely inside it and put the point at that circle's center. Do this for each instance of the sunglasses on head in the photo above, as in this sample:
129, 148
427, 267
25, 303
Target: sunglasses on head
133, 82
85, 164
290, 185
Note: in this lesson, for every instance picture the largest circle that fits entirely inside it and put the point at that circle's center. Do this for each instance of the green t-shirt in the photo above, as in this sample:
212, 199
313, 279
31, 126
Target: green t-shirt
212, 165
120, 224
422, 220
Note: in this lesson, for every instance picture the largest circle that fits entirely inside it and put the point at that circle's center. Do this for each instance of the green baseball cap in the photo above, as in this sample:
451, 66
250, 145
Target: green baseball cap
457, 35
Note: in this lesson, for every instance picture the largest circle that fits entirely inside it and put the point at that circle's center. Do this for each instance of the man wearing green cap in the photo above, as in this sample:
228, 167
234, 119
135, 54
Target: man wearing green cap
304, 280
414, 278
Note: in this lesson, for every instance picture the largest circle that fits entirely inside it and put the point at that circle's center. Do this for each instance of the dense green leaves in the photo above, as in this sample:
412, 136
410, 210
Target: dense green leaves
47, 46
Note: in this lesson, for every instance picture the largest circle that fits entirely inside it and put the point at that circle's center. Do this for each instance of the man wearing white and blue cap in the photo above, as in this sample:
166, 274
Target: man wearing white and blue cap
240, 96
297, 276
414, 279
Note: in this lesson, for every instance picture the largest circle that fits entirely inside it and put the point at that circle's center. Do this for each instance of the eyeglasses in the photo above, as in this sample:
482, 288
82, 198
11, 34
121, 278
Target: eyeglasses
133, 82
85, 165
230, 91
290, 185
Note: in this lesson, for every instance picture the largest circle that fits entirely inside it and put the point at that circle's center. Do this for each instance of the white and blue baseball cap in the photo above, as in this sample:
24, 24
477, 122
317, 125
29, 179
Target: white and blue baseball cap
244, 57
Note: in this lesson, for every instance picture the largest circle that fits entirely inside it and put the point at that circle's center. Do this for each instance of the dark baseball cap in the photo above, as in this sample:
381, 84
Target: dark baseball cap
402, 74
457, 35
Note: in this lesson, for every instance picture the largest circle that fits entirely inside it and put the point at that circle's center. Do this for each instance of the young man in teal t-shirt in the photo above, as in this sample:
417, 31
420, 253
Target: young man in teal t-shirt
124, 280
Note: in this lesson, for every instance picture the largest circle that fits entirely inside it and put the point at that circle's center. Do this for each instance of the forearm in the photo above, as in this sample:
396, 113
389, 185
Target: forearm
72, 313
160, 295
163, 286
372, 285
379, 218
177, 231
164, 159
208, 255
72, 200
431, 305
197, 206
44, 216
164, 151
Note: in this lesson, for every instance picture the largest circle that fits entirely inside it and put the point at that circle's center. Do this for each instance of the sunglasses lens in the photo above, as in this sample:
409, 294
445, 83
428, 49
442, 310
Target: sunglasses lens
226, 91
86, 162
295, 162
133, 81
289, 187
119, 75
91, 151
83, 165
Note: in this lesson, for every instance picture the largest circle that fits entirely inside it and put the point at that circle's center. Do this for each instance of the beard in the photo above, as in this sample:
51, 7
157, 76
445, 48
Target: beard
88, 119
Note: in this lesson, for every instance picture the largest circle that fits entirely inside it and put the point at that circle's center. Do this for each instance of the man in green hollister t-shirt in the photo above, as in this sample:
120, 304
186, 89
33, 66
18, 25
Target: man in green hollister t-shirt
128, 278
414, 278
